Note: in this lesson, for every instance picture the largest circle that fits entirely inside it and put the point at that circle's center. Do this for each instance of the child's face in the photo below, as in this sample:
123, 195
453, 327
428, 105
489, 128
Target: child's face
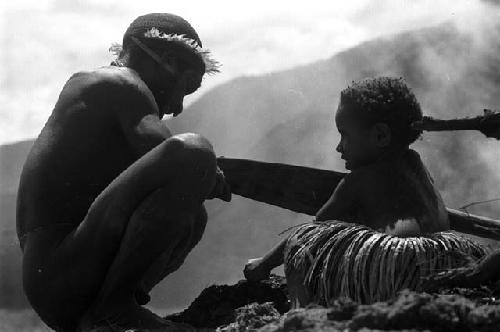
356, 145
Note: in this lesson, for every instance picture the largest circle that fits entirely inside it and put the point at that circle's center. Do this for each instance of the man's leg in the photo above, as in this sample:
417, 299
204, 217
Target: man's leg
160, 245
165, 265
160, 229
136, 219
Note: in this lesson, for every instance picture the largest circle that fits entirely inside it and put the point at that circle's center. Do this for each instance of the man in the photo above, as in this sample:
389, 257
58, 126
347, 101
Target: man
110, 202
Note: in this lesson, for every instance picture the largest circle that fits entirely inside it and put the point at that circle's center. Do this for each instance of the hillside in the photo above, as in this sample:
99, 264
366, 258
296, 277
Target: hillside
11, 159
288, 117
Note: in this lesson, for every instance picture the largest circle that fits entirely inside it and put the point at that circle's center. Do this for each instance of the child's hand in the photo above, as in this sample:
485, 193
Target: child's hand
255, 270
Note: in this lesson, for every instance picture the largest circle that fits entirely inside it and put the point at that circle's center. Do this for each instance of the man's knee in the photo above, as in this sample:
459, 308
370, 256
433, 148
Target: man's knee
194, 141
193, 159
189, 147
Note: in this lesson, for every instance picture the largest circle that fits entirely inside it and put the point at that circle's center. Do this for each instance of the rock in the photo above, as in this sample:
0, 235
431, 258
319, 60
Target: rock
217, 305
263, 306
252, 317
409, 311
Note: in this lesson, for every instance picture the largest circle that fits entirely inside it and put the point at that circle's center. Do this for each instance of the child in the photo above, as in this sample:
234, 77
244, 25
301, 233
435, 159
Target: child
389, 189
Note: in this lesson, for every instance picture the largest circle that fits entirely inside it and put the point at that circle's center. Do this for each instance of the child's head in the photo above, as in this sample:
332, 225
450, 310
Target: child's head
375, 115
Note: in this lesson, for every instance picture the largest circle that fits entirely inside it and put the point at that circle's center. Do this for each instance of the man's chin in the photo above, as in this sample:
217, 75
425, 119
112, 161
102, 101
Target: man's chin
350, 166
172, 111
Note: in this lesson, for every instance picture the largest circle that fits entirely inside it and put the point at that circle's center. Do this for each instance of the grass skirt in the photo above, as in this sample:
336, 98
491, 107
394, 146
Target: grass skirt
339, 259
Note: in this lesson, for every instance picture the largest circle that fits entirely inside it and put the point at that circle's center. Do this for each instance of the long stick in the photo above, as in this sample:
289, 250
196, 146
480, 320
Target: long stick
305, 190
488, 124
297, 188
475, 225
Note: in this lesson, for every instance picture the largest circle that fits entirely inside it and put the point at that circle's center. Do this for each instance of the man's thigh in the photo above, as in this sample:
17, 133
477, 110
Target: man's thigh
171, 168
171, 260
64, 269
49, 279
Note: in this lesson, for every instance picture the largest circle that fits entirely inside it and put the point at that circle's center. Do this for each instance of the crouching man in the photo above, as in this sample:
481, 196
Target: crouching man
110, 202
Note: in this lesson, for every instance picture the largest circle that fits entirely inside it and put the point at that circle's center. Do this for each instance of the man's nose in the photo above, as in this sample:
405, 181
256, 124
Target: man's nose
339, 147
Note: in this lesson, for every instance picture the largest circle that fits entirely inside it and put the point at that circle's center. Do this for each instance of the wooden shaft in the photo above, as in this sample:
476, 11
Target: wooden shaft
488, 124
297, 188
475, 225
431, 124
305, 190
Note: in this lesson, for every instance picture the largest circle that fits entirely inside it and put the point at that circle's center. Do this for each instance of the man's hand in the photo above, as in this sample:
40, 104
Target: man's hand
255, 270
221, 189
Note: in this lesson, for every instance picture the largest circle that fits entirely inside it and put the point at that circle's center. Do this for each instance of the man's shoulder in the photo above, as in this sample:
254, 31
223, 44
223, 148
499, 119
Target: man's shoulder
117, 85
110, 76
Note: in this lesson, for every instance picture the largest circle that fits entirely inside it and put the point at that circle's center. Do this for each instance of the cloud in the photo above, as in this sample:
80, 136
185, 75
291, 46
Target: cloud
46, 41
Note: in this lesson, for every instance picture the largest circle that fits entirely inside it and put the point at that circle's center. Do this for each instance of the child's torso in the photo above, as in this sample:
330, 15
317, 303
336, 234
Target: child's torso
398, 196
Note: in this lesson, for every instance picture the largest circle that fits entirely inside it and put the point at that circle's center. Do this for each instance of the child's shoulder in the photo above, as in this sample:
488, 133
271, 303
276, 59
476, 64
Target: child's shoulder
406, 162
363, 176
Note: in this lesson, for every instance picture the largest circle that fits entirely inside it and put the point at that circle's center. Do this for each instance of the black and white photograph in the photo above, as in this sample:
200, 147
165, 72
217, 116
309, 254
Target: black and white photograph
249, 165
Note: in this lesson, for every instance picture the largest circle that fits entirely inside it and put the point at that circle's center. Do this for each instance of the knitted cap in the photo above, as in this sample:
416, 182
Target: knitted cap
164, 22
171, 31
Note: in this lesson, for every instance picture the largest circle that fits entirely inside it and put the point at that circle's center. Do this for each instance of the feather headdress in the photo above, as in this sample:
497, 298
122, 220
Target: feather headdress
212, 66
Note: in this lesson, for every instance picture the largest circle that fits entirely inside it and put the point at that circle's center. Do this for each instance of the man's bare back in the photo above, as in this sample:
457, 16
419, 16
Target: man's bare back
110, 202
81, 149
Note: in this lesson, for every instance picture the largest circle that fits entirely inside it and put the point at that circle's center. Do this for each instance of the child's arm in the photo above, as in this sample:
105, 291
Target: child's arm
339, 207
341, 204
259, 268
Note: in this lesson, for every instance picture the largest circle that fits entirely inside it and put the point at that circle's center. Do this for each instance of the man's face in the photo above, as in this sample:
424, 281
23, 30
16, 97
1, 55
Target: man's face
170, 77
175, 83
356, 146
185, 83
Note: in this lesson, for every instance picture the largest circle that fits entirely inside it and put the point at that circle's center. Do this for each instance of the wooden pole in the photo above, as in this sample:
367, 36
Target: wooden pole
488, 124
476, 225
305, 190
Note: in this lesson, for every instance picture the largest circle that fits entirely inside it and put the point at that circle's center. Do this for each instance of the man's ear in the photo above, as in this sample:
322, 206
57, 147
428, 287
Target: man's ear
382, 134
170, 60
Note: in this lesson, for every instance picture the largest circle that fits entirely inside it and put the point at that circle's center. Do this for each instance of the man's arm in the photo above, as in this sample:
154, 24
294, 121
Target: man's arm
341, 204
137, 113
143, 131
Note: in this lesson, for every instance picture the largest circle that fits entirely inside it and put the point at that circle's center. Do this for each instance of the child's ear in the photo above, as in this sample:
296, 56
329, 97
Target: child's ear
382, 134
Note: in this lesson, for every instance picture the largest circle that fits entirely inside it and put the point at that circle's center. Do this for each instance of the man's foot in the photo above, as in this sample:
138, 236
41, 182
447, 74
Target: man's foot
129, 317
142, 297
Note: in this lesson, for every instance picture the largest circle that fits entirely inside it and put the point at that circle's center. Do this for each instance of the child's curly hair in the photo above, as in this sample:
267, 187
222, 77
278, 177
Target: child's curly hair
388, 100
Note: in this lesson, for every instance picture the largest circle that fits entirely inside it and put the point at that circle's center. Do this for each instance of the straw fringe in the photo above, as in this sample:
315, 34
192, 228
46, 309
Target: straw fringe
338, 259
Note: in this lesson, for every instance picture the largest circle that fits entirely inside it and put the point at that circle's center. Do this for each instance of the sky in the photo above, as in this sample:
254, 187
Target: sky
44, 42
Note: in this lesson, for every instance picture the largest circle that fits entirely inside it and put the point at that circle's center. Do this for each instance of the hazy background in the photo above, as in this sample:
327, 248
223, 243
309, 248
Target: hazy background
44, 42
284, 64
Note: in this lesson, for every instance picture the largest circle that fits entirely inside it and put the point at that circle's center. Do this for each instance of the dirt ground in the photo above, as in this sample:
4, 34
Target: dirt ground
263, 306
